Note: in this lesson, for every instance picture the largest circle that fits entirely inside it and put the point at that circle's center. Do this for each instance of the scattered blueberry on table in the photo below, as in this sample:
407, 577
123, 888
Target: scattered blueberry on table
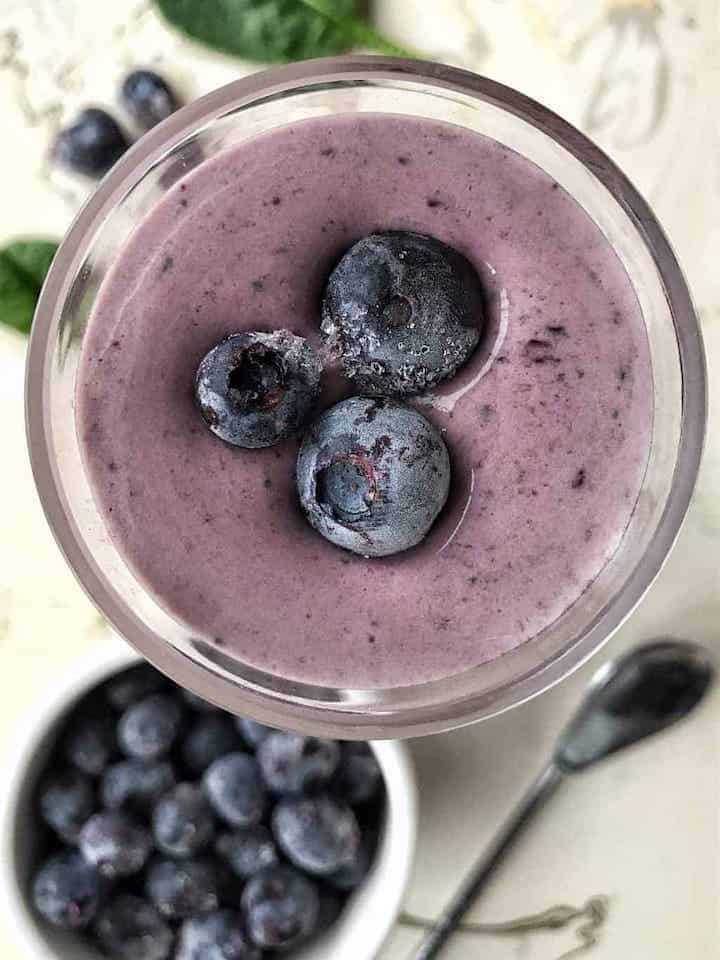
174, 831
148, 98
90, 145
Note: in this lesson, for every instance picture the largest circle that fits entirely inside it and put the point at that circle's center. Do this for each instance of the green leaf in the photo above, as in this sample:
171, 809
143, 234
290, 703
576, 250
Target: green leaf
276, 31
262, 30
23, 267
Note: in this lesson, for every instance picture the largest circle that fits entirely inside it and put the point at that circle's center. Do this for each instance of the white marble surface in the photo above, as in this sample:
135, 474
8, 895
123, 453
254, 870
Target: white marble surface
643, 831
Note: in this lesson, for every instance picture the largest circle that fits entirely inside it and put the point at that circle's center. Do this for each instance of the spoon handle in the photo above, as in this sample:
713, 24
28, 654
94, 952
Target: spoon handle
541, 790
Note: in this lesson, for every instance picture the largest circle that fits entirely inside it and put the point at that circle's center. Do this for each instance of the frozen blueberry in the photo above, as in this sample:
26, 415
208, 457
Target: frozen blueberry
90, 741
216, 936
247, 851
253, 732
351, 875
197, 703
183, 888
210, 737
372, 476
318, 834
280, 907
67, 800
148, 98
148, 729
66, 891
115, 844
91, 144
234, 787
182, 822
135, 784
358, 778
130, 928
134, 684
254, 389
403, 311
291, 763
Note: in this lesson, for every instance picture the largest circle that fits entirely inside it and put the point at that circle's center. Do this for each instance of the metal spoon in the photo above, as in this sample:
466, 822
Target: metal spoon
630, 698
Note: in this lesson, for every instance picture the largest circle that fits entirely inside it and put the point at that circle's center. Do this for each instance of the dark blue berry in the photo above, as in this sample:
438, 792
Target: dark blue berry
234, 787
115, 844
403, 311
318, 834
148, 729
210, 737
66, 891
130, 928
330, 908
148, 98
67, 800
183, 888
182, 822
291, 763
216, 936
372, 476
280, 907
254, 389
247, 851
253, 732
358, 778
91, 144
135, 784
351, 875
134, 684
90, 741
197, 703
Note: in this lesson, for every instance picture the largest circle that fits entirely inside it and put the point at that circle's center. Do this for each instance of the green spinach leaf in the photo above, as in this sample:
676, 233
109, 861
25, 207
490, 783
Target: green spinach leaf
23, 267
274, 31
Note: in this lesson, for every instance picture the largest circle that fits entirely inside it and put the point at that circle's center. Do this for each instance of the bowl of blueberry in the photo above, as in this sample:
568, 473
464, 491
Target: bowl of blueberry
144, 823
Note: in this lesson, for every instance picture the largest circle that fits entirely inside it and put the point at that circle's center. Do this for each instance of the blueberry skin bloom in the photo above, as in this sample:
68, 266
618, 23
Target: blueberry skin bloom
403, 311
148, 98
372, 476
254, 389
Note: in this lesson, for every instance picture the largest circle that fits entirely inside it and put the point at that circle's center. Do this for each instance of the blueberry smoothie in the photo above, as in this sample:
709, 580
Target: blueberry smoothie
546, 427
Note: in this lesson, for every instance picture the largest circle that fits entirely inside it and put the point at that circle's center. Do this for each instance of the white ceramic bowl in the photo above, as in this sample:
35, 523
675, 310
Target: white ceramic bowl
357, 935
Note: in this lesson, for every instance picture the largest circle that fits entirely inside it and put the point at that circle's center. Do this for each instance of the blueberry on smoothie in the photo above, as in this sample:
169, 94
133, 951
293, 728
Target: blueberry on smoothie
90, 145
317, 834
67, 800
372, 476
148, 98
403, 311
216, 936
130, 928
254, 389
280, 907
182, 822
66, 891
115, 844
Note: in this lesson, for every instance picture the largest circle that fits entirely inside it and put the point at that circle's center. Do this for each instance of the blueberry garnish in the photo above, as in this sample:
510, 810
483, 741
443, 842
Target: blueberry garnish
210, 737
148, 729
280, 907
130, 928
135, 784
148, 98
182, 888
372, 476
254, 389
235, 790
216, 936
247, 851
66, 802
182, 822
403, 311
291, 763
318, 834
66, 891
90, 145
115, 844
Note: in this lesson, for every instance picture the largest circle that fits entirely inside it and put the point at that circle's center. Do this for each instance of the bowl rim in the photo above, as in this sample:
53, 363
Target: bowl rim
399, 836
337, 715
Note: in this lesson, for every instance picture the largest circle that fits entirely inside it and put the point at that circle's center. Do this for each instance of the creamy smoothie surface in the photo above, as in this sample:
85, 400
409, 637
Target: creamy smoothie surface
548, 426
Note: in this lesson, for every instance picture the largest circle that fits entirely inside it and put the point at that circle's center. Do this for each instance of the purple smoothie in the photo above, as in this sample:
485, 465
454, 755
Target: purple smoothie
548, 427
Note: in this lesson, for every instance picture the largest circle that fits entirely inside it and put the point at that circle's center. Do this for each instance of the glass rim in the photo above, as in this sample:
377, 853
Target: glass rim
350, 718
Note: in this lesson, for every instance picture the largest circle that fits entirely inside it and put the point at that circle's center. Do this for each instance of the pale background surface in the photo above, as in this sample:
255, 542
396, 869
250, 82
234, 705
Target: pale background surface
645, 82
